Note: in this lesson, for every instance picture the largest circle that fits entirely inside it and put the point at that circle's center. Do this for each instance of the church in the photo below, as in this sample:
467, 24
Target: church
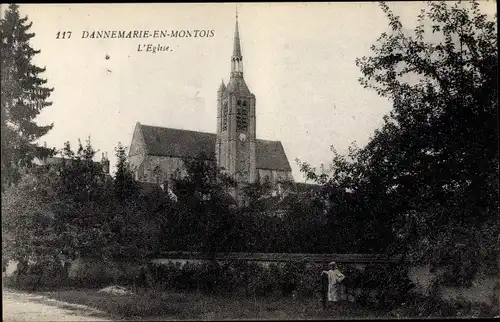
156, 154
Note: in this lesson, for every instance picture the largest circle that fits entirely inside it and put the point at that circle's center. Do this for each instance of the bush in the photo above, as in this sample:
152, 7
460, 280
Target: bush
268, 281
214, 277
383, 286
460, 274
309, 284
434, 306
91, 273
46, 275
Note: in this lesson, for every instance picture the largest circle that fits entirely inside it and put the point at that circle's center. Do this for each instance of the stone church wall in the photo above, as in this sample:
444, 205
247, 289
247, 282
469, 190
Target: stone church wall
136, 164
274, 175
157, 169
137, 152
136, 160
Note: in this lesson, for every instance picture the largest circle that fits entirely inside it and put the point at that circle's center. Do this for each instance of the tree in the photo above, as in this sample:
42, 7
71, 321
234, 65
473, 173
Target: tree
23, 96
204, 186
28, 228
355, 223
204, 212
137, 214
427, 181
436, 156
86, 203
125, 185
70, 209
255, 191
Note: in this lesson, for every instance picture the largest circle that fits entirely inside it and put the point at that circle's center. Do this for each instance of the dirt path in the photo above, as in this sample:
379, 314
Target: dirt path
19, 306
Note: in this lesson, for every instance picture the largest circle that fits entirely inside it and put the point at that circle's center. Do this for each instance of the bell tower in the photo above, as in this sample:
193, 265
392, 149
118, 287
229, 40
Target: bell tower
235, 145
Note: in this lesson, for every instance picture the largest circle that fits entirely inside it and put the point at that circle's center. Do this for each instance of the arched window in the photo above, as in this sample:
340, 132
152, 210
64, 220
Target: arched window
224, 116
241, 115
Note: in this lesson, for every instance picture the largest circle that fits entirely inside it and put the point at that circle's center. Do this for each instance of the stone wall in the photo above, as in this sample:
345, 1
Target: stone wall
286, 257
484, 288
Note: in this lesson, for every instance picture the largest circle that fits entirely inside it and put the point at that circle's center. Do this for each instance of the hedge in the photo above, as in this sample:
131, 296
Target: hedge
383, 286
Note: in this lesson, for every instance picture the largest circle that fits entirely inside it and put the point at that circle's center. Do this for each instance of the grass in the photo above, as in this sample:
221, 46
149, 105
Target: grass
154, 304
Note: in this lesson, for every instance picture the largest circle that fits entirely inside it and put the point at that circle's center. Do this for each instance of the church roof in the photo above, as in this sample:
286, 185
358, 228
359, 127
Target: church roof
237, 85
271, 155
162, 141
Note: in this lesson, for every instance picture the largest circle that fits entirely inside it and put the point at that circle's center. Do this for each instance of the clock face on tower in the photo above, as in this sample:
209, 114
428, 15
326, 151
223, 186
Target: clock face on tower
243, 137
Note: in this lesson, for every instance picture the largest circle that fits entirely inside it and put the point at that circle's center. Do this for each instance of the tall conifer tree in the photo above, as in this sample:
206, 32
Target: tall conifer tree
125, 185
23, 96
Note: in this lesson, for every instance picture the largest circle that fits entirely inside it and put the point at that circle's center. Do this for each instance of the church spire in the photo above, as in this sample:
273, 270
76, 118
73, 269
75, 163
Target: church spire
237, 58
222, 87
236, 46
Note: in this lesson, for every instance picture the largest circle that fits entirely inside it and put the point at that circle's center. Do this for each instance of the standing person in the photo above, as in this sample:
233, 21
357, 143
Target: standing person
333, 277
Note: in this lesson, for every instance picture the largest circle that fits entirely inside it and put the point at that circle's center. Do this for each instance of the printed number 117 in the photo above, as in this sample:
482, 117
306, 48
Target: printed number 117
63, 35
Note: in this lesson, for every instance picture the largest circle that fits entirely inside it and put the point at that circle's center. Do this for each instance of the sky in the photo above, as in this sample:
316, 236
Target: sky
299, 61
